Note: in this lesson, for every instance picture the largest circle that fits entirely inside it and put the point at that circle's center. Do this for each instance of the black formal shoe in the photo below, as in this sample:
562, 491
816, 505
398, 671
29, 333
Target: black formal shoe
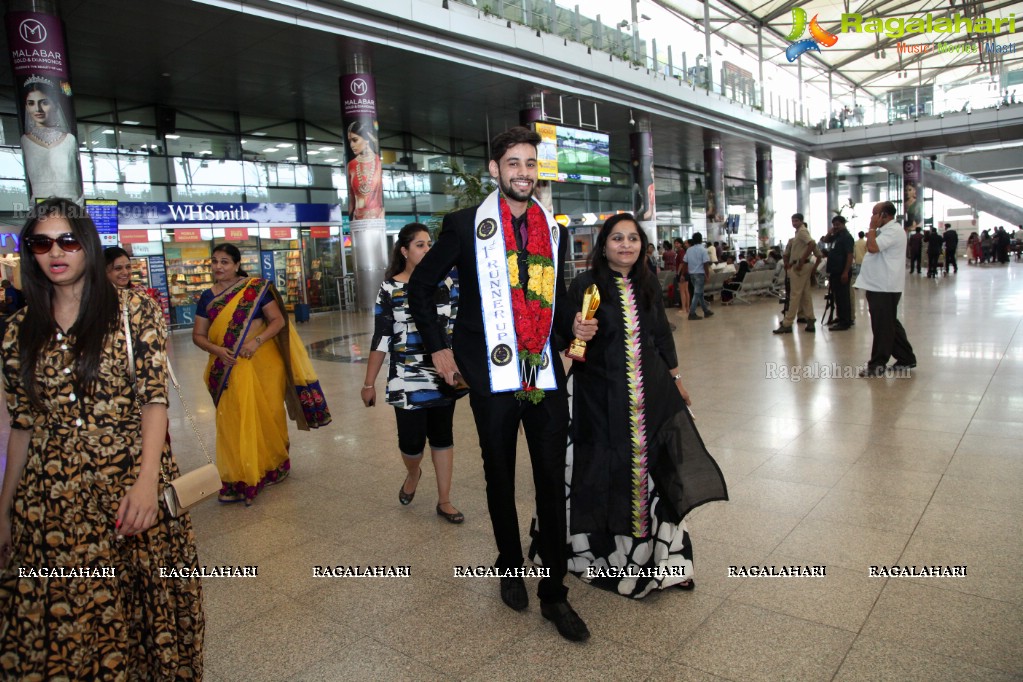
871, 372
513, 593
708, 313
569, 624
782, 330
903, 365
694, 316
810, 328
803, 320
686, 585
840, 327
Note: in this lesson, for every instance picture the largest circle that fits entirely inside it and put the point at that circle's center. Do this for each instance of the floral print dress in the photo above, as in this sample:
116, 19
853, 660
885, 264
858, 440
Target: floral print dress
117, 619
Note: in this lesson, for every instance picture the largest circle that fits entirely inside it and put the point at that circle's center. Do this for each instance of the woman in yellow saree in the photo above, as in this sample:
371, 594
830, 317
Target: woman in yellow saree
250, 379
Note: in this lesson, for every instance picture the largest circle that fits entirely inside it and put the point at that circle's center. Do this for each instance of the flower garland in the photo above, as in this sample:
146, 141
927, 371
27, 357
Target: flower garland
532, 305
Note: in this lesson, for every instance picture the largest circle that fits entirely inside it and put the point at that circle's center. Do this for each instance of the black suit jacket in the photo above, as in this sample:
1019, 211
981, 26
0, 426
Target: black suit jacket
456, 247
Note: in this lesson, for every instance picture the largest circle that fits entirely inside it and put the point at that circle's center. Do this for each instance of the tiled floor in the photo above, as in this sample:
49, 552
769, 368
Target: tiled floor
846, 473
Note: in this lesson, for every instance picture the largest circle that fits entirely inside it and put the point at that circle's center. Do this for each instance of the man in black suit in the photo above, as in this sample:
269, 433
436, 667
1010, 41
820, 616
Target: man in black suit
486, 352
951, 239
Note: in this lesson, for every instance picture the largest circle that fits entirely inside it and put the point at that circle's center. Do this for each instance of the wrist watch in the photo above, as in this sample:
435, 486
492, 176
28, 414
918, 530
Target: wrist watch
677, 377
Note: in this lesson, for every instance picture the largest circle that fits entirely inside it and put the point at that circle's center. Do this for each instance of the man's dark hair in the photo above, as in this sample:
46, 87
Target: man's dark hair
798, 216
948, 226
697, 238
509, 138
839, 219
919, 230
861, 234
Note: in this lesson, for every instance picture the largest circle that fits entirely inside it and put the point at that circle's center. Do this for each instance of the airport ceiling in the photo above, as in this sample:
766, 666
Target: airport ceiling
870, 61
191, 55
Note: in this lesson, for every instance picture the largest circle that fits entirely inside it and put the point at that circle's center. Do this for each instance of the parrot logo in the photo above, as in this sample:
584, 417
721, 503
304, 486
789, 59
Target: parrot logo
818, 36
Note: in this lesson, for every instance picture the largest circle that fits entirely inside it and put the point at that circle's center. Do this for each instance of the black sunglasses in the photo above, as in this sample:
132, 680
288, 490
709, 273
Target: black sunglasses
40, 243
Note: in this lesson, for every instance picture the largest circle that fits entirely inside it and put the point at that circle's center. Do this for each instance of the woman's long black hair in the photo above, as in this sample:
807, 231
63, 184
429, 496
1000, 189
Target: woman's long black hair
97, 314
644, 280
405, 237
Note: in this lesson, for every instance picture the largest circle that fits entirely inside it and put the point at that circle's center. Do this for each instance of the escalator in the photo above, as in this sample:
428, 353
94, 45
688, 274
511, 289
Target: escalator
965, 188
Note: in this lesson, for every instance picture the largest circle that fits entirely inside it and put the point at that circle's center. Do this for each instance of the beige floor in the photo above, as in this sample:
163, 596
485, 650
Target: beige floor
845, 473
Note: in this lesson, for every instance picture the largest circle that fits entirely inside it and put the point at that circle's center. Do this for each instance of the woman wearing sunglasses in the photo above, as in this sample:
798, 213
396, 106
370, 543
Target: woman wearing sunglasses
83, 539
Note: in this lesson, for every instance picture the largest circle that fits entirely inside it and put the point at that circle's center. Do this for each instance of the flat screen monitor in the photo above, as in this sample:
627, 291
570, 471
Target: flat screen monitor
573, 154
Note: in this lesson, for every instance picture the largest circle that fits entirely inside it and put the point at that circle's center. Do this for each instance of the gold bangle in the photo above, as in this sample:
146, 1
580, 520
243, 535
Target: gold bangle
370, 386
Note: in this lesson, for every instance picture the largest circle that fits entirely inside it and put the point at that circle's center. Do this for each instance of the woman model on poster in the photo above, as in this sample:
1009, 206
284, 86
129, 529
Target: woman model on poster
257, 365
914, 208
424, 405
636, 465
365, 173
82, 484
51, 152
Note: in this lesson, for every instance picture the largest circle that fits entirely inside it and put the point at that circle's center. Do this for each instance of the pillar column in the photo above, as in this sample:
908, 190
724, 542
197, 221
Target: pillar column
641, 154
913, 191
765, 197
46, 112
802, 183
831, 189
714, 186
365, 173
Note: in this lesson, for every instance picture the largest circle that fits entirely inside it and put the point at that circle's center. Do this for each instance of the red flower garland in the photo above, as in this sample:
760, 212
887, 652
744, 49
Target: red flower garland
532, 313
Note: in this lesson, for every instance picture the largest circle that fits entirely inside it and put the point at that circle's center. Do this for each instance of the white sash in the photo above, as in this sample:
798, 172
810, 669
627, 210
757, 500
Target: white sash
496, 300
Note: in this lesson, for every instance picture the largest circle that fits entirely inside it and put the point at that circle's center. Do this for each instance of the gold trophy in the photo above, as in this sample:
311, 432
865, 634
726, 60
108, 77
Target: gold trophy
591, 299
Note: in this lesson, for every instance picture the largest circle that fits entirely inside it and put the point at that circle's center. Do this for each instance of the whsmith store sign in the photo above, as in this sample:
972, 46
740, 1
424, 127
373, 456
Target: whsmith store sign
130, 214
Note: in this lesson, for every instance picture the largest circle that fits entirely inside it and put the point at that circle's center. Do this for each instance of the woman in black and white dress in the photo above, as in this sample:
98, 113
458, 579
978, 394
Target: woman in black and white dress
636, 465
424, 406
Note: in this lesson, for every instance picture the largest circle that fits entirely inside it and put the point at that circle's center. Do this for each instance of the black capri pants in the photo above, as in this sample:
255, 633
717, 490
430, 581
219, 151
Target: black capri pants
416, 426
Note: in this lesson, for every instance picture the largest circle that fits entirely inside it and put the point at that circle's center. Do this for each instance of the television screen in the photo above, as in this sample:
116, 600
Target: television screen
573, 155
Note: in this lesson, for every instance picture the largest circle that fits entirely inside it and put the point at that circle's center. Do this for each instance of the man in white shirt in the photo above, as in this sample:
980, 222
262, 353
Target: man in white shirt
882, 277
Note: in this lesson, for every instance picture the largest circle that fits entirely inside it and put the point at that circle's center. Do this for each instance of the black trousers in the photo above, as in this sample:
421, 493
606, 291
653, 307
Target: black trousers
914, 262
889, 335
546, 426
932, 263
843, 298
950, 260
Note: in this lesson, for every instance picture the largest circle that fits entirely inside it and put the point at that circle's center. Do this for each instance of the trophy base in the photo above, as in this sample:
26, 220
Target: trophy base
576, 351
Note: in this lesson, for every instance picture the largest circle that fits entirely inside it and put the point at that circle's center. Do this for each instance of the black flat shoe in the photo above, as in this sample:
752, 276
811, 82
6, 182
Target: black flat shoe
513, 593
456, 517
404, 497
569, 624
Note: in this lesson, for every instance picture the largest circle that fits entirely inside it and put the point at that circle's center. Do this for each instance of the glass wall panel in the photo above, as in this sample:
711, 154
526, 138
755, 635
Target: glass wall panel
268, 149
94, 109
10, 131
132, 113
100, 168
286, 196
205, 120
13, 195
190, 171
12, 163
205, 193
190, 145
255, 125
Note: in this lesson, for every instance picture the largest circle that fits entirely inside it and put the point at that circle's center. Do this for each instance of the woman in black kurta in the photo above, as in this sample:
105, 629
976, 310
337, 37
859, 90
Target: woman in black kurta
636, 463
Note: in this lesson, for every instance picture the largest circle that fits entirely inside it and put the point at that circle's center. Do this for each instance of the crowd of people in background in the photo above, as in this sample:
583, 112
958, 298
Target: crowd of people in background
994, 246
